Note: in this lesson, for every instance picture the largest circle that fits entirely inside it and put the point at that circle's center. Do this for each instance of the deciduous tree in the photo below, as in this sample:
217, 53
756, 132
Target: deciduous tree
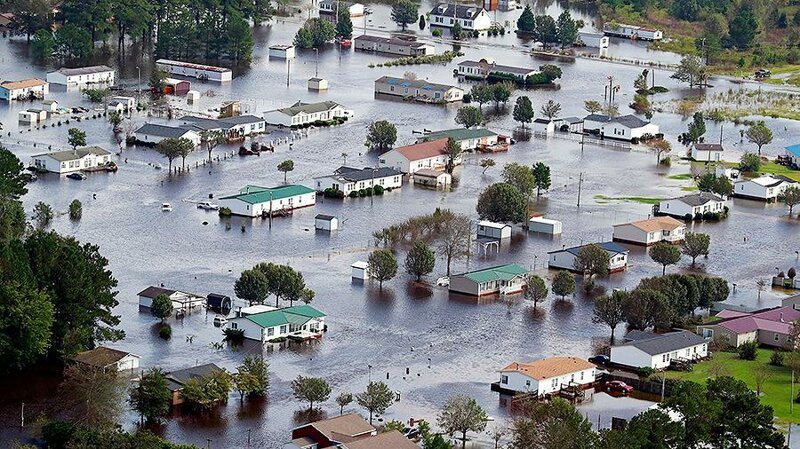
501, 202
161, 307
487, 164
26, 320
12, 176
759, 134
696, 244
42, 214
420, 260
252, 286
592, 260
551, 109
343, 400
541, 176
454, 239
609, 310
535, 289
315, 33
469, 116
311, 390
76, 138
376, 399
527, 21
791, 196
563, 284
381, 135
523, 110
382, 265
665, 254
252, 377
462, 414
453, 150
404, 12
151, 396
285, 167
592, 106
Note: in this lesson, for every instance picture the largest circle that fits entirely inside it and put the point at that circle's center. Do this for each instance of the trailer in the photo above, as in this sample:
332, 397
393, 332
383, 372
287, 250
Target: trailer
544, 226
200, 71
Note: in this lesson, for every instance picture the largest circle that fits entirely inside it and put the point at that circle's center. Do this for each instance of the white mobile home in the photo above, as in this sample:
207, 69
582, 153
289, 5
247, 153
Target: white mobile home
632, 32
301, 320
79, 76
24, 90
546, 376
108, 359
483, 68
690, 205
764, 188
152, 134
628, 127
180, 300
424, 155
199, 71
564, 259
657, 351
71, 161
488, 229
255, 201
651, 231
469, 139
544, 226
418, 90
393, 46
349, 179
503, 279
707, 152
302, 113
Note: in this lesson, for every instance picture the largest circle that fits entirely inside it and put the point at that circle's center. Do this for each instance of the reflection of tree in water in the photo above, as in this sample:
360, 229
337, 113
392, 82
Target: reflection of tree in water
252, 407
418, 290
190, 421
305, 416
562, 309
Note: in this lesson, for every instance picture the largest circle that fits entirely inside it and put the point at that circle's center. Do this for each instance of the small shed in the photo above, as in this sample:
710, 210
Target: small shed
50, 105
543, 126
544, 226
317, 84
192, 96
230, 109
360, 270
494, 230
28, 117
281, 51
326, 222
219, 303
174, 86
115, 106
433, 178
108, 359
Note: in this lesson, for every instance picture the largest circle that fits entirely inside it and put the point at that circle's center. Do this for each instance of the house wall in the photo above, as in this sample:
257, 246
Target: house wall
631, 356
517, 381
774, 339
544, 227
397, 161
393, 49
386, 182
492, 232
326, 225
591, 125
150, 138
461, 284
481, 22
91, 78
239, 207
751, 189
128, 363
631, 234
212, 75
449, 95
13, 94
543, 128
252, 331
706, 155
678, 208
566, 260
279, 118
521, 382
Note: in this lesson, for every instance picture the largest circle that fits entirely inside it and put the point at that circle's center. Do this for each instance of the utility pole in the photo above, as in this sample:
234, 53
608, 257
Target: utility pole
22, 416
270, 209
580, 184
583, 136
372, 186
316, 61
288, 69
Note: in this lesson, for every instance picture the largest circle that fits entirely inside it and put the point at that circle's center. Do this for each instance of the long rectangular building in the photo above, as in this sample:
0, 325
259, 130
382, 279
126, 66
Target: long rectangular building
418, 90
199, 71
255, 201
393, 46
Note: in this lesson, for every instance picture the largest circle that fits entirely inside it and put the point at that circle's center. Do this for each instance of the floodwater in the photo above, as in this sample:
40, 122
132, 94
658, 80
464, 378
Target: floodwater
447, 344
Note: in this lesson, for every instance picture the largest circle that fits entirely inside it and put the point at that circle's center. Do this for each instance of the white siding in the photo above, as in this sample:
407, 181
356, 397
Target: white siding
518, 381
243, 208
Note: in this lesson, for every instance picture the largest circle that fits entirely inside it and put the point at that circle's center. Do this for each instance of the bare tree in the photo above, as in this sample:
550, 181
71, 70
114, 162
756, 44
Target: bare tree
93, 397
454, 239
761, 374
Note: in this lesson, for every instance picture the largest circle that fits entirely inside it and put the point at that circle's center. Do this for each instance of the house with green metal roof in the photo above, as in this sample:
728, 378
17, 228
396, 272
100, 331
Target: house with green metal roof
502, 279
470, 139
255, 201
301, 322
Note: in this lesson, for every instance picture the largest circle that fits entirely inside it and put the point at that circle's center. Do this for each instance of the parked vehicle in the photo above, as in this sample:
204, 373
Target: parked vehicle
166, 207
220, 320
76, 176
111, 166
618, 386
600, 359
207, 205
443, 281
762, 73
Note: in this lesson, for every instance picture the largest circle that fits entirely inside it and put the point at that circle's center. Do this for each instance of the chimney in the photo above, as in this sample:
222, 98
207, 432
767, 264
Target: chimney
781, 317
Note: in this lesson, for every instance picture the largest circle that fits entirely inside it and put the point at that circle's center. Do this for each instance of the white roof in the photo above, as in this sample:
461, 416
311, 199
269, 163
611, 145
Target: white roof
544, 220
360, 264
491, 224
766, 181
258, 308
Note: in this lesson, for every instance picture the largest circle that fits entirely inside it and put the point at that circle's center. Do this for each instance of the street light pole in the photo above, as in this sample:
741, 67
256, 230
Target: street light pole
316, 62
139, 84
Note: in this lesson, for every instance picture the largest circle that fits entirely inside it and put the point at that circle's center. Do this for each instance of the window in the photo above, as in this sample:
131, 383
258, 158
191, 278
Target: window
283, 329
234, 325
776, 337
270, 332
527, 384
554, 383
503, 379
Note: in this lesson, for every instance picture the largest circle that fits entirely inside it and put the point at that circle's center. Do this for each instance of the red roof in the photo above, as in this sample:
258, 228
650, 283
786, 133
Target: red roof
423, 150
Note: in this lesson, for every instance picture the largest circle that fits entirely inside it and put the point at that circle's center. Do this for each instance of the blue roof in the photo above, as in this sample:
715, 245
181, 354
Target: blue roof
794, 149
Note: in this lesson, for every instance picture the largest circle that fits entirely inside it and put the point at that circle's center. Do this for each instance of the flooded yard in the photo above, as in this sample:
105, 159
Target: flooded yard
426, 344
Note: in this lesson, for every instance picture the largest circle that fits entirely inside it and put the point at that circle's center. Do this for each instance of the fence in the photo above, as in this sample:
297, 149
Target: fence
586, 140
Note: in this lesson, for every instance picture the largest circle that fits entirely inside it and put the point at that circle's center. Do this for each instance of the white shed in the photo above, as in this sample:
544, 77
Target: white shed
317, 84
360, 270
281, 51
493, 230
544, 225
326, 222
192, 96
28, 117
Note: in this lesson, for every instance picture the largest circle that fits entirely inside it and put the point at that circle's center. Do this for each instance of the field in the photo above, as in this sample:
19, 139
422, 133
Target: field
776, 390
768, 168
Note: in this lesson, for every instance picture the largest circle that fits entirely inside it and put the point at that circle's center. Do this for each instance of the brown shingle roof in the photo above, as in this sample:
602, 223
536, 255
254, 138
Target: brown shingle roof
23, 84
423, 150
656, 224
101, 357
388, 440
345, 427
548, 368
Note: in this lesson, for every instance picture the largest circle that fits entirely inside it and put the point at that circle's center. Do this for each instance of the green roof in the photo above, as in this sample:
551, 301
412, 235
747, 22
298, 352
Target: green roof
501, 273
256, 194
460, 134
298, 315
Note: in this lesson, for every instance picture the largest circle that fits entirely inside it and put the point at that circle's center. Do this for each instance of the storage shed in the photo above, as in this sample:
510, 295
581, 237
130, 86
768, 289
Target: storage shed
28, 117
433, 178
219, 303
174, 86
360, 270
544, 225
281, 51
326, 222
317, 84
192, 96
494, 230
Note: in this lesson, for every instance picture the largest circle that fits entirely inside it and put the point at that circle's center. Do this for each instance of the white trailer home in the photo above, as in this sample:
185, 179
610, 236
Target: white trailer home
690, 205
657, 351
99, 74
651, 231
199, 71
71, 161
764, 188
564, 259
180, 300
503, 279
24, 90
544, 226
546, 376
470, 17
303, 321
255, 201
632, 32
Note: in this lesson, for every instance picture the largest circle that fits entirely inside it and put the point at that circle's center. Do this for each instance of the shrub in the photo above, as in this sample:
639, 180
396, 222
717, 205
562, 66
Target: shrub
437, 32
233, 335
748, 351
645, 372
353, 194
368, 191
75, 210
467, 98
378, 190
588, 285
58, 433
225, 212
635, 140
709, 216
776, 359
666, 162
362, 192
698, 216
165, 332
687, 217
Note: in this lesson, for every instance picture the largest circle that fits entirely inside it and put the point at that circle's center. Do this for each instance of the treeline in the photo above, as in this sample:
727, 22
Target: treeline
187, 29
547, 30
56, 294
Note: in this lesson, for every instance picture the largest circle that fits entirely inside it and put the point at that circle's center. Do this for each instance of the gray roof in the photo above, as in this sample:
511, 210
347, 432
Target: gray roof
671, 341
419, 84
699, 199
167, 132
309, 108
177, 379
708, 146
499, 68
391, 40
571, 120
610, 247
597, 118
324, 217
69, 155
204, 122
631, 121
242, 119
84, 70
362, 174
635, 335
461, 11
152, 292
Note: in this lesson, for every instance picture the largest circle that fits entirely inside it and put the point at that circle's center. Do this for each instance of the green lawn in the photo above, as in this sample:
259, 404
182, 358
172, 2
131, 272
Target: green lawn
770, 167
602, 199
681, 177
776, 391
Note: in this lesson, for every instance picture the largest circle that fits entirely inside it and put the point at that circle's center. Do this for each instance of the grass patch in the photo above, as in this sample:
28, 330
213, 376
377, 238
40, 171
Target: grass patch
776, 391
603, 199
766, 168
690, 188
681, 177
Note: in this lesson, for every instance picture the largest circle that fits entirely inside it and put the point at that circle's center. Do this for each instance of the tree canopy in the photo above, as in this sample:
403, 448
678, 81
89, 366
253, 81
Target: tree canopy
502, 202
